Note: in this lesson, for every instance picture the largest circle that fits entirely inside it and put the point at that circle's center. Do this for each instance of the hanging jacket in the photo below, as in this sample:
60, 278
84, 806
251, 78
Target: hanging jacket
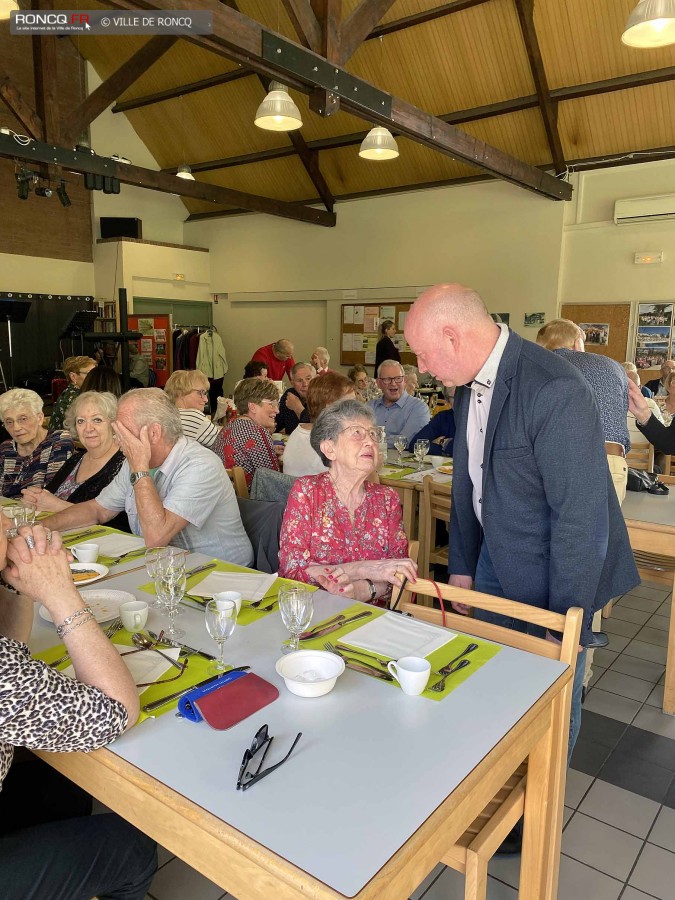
211, 359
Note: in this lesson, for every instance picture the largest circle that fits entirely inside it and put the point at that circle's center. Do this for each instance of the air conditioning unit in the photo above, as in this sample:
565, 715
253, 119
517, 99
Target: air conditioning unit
644, 209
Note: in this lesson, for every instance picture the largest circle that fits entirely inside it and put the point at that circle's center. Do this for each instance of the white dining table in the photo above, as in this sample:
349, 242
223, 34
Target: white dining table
378, 786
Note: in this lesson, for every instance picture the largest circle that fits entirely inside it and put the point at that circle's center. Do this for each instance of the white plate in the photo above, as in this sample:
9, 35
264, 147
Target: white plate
105, 604
95, 567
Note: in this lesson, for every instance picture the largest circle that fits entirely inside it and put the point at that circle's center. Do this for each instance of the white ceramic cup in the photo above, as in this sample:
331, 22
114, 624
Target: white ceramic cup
85, 553
134, 614
233, 596
412, 673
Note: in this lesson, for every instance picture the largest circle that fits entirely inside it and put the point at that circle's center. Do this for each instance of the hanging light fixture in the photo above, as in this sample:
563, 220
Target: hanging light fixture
651, 24
6, 7
278, 111
379, 144
184, 171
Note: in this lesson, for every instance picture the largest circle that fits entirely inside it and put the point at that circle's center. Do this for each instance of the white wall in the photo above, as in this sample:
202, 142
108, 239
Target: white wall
44, 276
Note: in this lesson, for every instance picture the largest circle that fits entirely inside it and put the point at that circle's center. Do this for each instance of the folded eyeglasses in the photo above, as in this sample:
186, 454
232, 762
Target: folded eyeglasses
255, 757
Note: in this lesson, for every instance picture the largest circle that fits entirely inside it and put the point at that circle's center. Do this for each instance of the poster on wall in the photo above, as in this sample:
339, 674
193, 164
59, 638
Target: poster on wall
595, 332
655, 314
534, 320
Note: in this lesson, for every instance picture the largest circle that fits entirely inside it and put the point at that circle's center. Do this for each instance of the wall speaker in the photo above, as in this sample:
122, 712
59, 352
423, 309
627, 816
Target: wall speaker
120, 227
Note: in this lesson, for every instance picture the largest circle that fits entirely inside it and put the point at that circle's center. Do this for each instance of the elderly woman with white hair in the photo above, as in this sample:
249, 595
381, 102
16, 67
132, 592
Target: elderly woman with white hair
189, 391
89, 418
31, 456
341, 531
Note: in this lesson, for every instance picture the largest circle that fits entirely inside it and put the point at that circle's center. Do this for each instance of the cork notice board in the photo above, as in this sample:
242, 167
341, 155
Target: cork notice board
616, 315
360, 331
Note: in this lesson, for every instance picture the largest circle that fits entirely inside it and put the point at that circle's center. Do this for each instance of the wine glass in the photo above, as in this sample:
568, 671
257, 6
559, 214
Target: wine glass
420, 450
296, 607
170, 589
153, 565
400, 443
220, 617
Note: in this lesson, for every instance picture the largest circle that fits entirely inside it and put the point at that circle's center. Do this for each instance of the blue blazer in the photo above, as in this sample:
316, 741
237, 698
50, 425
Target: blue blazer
551, 517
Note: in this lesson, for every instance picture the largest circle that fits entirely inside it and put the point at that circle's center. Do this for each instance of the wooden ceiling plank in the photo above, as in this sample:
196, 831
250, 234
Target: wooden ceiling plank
359, 25
20, 109
41, 153
237, 35
549, 112
191, 88
305, 22
420, 18
100, 99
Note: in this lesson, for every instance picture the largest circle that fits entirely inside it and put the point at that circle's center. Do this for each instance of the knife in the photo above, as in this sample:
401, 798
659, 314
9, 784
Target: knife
69, 538
365, 669
338, 625
151, 707
180, 646
198, 569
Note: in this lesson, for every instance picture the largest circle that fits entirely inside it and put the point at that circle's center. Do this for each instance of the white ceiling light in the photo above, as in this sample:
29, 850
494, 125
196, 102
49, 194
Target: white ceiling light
379, 144
184, 171
651, 24
278, 112
6, 7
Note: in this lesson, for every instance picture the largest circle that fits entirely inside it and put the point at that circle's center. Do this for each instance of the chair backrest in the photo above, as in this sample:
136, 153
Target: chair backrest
238, 478
437, 498
262, 523
270, 485
641, 456
406, 596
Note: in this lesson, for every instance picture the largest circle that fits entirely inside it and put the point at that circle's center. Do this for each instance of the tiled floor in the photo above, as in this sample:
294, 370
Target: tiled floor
619, 832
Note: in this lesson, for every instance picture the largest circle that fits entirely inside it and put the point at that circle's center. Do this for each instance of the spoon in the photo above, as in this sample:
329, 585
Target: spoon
144, 642
439, 687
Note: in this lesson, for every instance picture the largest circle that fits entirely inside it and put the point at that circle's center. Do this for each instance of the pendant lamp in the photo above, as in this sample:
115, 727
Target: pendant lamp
6, 7
184, 171
651, 24
379, 144
278, 111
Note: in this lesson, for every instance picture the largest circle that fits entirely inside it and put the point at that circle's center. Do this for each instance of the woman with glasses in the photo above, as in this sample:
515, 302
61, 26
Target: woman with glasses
76, 369
340, 531
31, 456
246, 441
189, 391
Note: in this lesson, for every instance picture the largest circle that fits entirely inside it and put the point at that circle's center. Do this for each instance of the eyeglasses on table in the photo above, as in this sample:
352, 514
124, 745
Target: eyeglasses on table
255, 757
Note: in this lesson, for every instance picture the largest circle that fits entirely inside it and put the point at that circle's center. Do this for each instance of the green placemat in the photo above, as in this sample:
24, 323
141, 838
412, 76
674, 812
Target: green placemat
437, 659
88, 535
247, 614
197, 670
391, 472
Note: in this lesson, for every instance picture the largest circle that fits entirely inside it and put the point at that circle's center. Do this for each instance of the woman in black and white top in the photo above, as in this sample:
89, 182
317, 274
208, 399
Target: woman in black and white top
49, 847
189, 391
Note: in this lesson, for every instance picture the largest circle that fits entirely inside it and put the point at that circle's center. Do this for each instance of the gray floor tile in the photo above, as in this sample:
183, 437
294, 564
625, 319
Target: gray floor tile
654, 591
652, 635
579, 882
625, 685
597, 672
577, 785
662, 622
639, 668
605, 657
612, 705
669, 799
655, 872
617, 643
163, 856
638, 743
620, 808
631, 894
619, 626
601, 729
665, 609
656, 696
506, 870
663, 832
652, 719
629, 615
650, 652
567, 814
643, 603
601, 846
177, 880
428, 881
644, 778
589, 756
450, 886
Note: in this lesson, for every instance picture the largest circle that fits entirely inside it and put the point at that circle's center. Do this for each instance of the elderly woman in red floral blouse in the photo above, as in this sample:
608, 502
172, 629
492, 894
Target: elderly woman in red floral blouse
246, 441
340, 531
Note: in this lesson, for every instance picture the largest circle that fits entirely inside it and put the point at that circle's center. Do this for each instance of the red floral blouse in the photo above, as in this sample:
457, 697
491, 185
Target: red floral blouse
317, 528
243, 443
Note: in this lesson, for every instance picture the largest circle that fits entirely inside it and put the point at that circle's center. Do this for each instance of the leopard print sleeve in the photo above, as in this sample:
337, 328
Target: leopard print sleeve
43, 709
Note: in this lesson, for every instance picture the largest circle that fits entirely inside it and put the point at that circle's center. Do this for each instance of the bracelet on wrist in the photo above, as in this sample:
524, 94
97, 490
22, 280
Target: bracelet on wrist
89, 617
86, 610
373, 592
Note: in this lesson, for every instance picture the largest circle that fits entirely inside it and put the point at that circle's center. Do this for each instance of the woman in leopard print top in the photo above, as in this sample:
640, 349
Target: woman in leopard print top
42, 709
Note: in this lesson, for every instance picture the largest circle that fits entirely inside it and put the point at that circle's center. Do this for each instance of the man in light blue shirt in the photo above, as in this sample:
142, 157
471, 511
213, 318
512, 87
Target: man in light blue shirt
399, 412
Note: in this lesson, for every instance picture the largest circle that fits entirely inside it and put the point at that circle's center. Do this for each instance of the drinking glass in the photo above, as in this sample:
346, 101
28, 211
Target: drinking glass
170, 589
220, 617
172, 560
400, 443
296, 607
19, 514
420, 450
153, 567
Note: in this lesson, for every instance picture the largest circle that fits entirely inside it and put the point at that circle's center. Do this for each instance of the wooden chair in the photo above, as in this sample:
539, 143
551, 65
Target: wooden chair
407, 595
474, 849
641, 456
238, 478
434, 507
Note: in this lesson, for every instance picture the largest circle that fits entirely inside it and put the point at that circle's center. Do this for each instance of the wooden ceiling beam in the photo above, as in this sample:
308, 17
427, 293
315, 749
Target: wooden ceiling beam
38, 153
241, 38
549, 109
307, 26
100, 99
191, 88
45, 70
359, 25
421, 18
329, 16
20, 109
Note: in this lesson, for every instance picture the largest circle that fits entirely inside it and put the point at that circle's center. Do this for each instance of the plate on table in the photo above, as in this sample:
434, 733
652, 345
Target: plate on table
85, 573
104, 604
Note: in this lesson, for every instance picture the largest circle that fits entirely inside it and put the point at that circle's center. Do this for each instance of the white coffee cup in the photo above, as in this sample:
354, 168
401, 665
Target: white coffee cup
134, 614
412, 673
85, 553
233, 596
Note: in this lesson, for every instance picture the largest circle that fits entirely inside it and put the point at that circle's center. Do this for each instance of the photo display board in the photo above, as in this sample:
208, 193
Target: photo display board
654, 341
360, 332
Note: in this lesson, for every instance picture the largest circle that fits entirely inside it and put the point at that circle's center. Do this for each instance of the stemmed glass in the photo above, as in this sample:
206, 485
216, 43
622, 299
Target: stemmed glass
296, 607
170, 587
153, 563
220, 617
420, 450
19, 514
400, 443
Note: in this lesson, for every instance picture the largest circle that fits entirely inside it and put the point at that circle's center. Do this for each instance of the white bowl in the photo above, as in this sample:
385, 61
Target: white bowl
310, 673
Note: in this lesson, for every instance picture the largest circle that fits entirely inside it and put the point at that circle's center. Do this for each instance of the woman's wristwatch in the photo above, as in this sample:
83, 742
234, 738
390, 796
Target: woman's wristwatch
373, 592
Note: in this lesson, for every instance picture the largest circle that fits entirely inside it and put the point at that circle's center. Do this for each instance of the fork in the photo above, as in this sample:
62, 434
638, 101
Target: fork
139, 551
439, 687
112, 629
340, 648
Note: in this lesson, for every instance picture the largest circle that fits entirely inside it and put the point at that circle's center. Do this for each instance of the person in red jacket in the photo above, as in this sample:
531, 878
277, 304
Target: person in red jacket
278, 357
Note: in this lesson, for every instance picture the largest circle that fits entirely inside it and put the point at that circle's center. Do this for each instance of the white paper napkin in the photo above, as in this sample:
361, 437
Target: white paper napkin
251, 585
396, 636
440, 477
116, 544
144, 666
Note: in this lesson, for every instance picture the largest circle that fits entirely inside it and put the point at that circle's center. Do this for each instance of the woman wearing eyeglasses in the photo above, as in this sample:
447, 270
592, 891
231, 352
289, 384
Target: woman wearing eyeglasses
189, 391
340, 531
246, 441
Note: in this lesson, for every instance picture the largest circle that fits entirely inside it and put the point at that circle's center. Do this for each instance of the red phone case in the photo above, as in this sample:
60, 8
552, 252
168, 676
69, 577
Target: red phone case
236, 701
